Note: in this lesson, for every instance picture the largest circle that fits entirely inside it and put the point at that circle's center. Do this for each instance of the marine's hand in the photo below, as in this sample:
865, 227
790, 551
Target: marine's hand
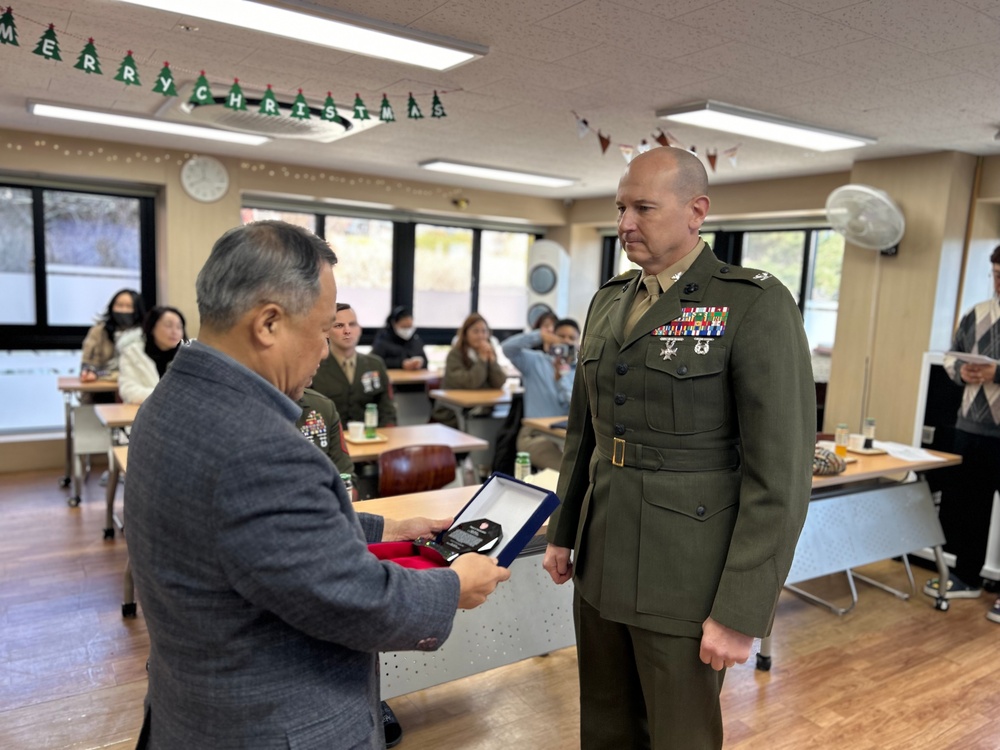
556, 562
407, 529
478, 576
722, 646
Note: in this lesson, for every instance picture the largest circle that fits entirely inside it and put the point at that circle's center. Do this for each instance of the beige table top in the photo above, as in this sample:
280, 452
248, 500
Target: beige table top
470, 399
121, 457
410, 377
544, 424
68, 384
416, 434
876, 467
116, 415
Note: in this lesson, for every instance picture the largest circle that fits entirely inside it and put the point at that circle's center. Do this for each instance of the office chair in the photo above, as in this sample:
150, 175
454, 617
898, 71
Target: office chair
415, 468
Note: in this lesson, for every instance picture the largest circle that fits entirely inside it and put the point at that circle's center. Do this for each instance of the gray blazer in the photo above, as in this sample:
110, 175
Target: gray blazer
264, 607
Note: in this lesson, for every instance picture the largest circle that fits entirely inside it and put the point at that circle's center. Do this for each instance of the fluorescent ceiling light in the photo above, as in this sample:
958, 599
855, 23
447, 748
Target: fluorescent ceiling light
353, 34
753, 124
141, 123
494, 173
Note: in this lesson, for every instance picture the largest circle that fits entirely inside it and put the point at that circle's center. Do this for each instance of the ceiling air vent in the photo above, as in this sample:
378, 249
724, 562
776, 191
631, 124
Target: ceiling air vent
179, 109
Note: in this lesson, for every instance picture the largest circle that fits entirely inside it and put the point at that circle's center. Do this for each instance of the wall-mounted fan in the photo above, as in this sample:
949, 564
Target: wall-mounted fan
867, 217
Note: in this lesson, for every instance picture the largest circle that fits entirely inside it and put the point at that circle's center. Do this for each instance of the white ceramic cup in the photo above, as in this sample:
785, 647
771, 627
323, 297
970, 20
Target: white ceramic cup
356, 430
855, 442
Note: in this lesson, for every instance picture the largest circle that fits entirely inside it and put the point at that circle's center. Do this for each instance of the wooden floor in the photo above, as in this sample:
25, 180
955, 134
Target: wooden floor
892, 675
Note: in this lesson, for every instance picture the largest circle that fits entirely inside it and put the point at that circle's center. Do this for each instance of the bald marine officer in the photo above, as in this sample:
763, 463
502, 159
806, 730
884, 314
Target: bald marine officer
687, 469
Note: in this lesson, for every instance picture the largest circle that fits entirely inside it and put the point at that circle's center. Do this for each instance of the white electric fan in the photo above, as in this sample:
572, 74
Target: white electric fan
866, 217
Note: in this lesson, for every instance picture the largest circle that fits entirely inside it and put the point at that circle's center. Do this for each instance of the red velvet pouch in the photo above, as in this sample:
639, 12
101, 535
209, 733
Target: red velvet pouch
407, 554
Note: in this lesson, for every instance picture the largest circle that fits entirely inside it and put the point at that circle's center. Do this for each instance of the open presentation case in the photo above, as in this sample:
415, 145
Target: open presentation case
519, 508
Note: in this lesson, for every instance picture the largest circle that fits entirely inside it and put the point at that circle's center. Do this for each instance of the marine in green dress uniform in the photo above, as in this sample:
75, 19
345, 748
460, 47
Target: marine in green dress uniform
687, 469
320, 424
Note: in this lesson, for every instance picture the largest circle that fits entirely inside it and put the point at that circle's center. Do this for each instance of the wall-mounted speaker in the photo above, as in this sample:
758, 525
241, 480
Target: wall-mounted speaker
548, 280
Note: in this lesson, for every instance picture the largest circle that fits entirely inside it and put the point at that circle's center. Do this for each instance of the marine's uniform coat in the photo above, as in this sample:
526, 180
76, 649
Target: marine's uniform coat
703, 517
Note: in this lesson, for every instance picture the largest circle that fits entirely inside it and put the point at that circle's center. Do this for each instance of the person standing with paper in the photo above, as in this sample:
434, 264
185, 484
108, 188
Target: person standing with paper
967, 505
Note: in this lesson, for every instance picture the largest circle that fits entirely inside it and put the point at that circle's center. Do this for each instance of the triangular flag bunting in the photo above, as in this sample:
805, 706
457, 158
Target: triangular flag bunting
202, 93
360, 110
582, 127
87, 60
48, 45
128, 73
661, 138
268, 104
386, 114
643, 146
605, 141
713, 157
330, 113
8, 29
437, 108
236, 99
165, 82
627, 152
300, 108
413, 109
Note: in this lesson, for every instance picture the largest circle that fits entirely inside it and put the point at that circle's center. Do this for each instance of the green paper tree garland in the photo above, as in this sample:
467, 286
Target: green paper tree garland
360, 110
330, 113
48, 45
165, 82
385, 110
202, 93
8, 29
269, 104
235, 99
87, 61
128, 73
300, 108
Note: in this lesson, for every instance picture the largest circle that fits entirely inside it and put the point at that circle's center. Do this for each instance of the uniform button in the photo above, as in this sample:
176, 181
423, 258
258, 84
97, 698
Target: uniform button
682, 370
620, 398
622, 368
691, 289
619, 429
724, 269
428, 644
700, 511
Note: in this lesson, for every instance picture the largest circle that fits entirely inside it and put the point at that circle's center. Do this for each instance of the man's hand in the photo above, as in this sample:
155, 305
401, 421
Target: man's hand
407, 529
413, 363
978, 374
556, 562
478, 576
722, 646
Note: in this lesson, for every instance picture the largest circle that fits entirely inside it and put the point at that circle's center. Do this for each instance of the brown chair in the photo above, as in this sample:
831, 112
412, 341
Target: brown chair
416, 468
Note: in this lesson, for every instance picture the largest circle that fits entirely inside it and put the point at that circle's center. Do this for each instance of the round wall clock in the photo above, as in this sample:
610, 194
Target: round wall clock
204, 178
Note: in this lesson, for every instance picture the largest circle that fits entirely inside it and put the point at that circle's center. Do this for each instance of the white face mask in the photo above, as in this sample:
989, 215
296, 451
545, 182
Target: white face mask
405, 333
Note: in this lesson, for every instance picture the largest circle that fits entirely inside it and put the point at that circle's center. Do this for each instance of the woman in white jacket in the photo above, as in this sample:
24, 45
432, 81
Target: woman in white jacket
145, 354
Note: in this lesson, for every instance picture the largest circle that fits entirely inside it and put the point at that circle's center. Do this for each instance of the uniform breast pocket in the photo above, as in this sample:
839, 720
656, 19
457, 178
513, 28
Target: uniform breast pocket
590, 357
687, 393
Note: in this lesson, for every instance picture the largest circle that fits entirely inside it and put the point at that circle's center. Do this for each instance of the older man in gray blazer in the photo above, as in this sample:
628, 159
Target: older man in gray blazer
264, 607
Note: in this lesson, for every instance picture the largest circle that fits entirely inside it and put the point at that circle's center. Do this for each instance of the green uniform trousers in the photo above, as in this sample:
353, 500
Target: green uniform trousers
646, 689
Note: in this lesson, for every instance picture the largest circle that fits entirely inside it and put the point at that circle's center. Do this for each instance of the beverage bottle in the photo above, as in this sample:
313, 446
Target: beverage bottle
371, 421
352, 491
522, 465
840, 440
869, 432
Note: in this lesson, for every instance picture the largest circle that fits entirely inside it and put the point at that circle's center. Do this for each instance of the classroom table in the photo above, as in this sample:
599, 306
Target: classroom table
398, 376
544, 425
865, 514
418, 434
114, 417
526, 616
409, 391
70, 387
462, 401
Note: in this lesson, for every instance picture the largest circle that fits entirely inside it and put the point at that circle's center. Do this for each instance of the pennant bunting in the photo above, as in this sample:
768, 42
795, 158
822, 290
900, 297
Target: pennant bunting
582, 127
385, 110
605, 141
360, 110
413, 109
628, 152
87, 61
235, 99
8, 29
643, 146
664, 138
128, 73
660, 137
300, 108
713, 157
437, 108
202, 93
330, 113
269, 103
48, 45
165, 82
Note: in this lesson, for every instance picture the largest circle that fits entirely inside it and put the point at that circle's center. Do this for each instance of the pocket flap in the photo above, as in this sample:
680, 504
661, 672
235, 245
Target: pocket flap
677, 493
687, 363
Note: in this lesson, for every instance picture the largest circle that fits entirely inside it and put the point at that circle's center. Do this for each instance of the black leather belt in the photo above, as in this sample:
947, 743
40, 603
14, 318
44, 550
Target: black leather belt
623, 453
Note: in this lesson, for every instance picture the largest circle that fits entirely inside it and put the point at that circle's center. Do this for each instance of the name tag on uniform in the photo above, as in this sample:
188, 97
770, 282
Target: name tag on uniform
700, 323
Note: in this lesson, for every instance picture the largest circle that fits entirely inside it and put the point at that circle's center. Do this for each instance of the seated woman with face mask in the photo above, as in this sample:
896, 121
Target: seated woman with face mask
98, 357
398, 343
144, 354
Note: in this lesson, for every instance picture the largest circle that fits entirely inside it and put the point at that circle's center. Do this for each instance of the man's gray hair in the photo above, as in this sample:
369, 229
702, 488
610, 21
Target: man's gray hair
265, 261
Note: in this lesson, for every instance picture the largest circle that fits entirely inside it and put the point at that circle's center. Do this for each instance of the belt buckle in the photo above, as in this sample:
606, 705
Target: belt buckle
618, 452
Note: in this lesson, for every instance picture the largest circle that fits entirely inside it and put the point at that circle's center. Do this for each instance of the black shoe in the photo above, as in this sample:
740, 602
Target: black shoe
390, 727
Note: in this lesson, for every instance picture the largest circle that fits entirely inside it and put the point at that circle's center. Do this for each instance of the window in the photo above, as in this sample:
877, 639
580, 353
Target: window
624, 264
442, 276
780, 253
823, 290
503, 273
299, 219
364, 265
63, 254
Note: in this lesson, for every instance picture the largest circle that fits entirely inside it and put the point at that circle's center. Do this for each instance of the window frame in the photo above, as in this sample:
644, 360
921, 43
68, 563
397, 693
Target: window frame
40, 336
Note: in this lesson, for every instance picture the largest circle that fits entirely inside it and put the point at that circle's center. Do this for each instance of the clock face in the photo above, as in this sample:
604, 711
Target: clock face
204, 178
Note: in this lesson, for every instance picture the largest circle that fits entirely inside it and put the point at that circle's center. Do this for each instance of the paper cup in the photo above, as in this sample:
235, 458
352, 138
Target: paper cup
356, 430
855, 442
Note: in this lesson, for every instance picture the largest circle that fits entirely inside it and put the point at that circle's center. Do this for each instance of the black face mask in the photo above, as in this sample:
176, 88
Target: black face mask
123, 320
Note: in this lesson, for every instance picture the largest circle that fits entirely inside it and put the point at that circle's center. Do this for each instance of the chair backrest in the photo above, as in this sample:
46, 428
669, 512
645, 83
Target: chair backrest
416, 468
